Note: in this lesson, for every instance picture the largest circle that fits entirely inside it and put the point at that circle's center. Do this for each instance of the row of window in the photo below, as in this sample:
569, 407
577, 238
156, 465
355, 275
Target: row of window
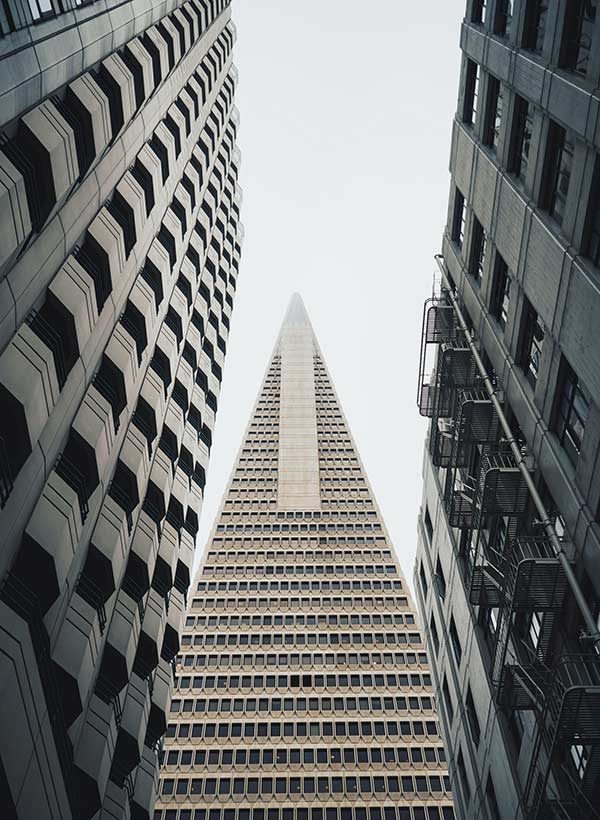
266, 542
576, 25
249, 705
309, 659
248, 555
338, 526
308, 787
307, 569
357, 601
302, 729
304, 681
286, 638
326, 756
414, 812
285, 586
227, 621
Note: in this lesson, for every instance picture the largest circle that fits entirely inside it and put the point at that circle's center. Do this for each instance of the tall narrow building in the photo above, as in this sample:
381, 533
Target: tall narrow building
119, 252
303, 688
508, 563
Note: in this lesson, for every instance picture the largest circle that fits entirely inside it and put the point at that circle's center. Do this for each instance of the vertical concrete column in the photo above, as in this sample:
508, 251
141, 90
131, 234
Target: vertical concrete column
298, 473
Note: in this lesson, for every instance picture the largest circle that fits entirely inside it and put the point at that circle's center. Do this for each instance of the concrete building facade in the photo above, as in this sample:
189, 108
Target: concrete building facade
508, 565
303, 688
119, 252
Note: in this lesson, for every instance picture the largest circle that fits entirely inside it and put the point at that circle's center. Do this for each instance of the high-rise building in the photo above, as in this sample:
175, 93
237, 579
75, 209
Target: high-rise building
303, 689
508, 566
119, 252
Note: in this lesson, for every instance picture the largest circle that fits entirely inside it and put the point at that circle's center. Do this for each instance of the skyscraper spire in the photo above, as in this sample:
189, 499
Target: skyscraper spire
303, 688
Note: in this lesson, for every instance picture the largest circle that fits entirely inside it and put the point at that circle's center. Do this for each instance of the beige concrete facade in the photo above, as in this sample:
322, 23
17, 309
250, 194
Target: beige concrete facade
303, 688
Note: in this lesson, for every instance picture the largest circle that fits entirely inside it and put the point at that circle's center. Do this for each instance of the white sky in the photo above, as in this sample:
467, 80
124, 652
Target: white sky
345, 112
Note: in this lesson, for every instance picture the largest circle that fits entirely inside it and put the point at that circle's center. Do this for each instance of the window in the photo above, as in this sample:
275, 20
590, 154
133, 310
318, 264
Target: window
458, 218
440, 581
557, 170
493, 113
532, 342
572, 408
534, 27
591, 237
471, 92
434, 634
578, 31
454, 639
447, 700
462, 773
423, 580
477, 258
478, 12
490, 794
472, 717
580, 756
520, 138
503, 18
428, 524
500, 296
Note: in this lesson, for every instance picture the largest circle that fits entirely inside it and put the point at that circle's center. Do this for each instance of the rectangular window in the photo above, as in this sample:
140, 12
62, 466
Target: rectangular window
534, 28
532, 343
428, 524
477, 258
578, 31
447, 700
493, 113
572, 409
471, 92
455, 640
440, 581
458, 218
500, 296
478, 12
591, 238
557, 170
434, 635
462, 774
472, 717
503, 18
520, 138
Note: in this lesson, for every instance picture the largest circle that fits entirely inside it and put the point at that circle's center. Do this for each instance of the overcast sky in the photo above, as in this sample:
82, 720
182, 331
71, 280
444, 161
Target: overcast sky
345, 122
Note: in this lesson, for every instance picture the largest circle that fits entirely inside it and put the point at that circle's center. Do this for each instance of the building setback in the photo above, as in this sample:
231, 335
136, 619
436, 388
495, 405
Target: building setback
303, 689
119, 252
508, 564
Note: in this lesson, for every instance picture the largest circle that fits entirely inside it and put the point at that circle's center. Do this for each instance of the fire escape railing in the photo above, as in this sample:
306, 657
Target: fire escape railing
490, 496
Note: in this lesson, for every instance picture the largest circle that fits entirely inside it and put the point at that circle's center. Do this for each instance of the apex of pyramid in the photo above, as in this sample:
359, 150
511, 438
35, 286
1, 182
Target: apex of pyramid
296, 313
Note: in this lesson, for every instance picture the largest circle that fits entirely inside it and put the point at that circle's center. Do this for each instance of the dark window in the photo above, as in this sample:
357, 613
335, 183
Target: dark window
167, 240
572, 408
557, 170
434, 634
440, 581
477, 258
490, 794
455, 640
174, 129
471, 92
162, 154
31, 158
134, 323
464, 780
122, 213
520, 138
447, 700
94, 259
428, 524
532, 343
472, 717
591, 239
534, 27
144, 178
458, 218
55, 326
112, 90
503, 17
423, 580
493, 113
500, 296
478, 11
578, 31
138, 75
151, 275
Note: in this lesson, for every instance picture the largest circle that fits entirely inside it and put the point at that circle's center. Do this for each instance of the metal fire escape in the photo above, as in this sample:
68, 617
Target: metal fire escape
490, 496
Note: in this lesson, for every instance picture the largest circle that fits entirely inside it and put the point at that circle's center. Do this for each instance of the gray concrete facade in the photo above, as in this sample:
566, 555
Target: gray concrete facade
119, 252
520, 249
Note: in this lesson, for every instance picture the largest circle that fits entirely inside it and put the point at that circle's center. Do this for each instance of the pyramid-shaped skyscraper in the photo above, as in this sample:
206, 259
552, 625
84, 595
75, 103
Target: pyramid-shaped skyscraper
303, 687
